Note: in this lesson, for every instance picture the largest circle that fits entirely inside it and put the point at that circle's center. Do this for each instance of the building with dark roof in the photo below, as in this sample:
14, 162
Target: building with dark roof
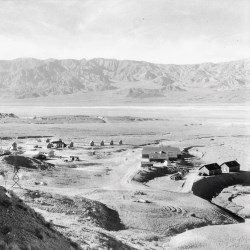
230, 166
58, 144
172, 153
158, 156
210, 169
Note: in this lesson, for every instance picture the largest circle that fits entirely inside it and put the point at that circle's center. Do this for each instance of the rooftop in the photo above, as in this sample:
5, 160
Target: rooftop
231, 164
158, 149
212, 166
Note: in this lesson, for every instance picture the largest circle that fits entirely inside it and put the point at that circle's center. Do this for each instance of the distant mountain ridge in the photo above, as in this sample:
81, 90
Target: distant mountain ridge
29, 77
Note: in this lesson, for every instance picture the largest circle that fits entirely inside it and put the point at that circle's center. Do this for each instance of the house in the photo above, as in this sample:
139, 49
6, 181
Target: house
58, 143
230, 166
158, 156
173, 153
210, 169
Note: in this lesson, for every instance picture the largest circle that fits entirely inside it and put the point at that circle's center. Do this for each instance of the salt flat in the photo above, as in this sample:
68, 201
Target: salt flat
216, 133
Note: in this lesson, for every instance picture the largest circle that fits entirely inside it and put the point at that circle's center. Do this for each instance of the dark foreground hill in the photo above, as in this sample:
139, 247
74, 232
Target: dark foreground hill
21, 228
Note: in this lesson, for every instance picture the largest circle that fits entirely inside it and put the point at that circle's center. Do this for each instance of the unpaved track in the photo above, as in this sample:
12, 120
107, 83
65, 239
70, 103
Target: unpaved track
188, 184
127, 167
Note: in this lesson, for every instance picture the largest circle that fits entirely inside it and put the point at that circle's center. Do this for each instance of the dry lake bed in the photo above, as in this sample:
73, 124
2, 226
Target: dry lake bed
106, 200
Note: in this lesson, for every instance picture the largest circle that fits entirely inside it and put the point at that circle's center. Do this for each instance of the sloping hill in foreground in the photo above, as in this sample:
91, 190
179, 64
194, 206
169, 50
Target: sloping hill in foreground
31, 78
22, 228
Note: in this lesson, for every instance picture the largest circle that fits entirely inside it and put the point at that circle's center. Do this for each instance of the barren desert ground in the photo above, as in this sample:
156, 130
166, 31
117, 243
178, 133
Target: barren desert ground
106, 200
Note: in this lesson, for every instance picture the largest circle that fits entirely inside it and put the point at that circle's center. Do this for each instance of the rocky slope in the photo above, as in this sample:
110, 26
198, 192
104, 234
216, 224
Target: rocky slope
23, 78
22, 228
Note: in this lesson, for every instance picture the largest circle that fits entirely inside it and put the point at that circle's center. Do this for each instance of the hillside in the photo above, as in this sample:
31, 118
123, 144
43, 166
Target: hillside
22, 228
32, 78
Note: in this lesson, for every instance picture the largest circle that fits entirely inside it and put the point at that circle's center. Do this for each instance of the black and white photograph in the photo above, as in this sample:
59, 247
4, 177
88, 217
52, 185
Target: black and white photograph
124, 124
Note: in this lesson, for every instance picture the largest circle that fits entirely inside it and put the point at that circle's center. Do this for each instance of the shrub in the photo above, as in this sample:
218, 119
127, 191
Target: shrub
6, 229
39, 233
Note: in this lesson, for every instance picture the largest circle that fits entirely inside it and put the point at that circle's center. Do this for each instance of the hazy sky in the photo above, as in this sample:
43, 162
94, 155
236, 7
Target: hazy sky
163, 31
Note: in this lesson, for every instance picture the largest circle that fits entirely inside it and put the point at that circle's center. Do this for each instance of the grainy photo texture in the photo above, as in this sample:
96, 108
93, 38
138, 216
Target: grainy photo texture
124, 124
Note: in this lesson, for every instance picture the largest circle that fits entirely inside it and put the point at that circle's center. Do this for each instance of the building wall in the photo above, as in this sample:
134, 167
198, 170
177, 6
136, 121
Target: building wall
145, 156
210, 172
226, 169
204, 171
217, 171
235, 169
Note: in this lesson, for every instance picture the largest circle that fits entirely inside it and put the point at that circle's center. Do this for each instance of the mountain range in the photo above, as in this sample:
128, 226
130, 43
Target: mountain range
31, 78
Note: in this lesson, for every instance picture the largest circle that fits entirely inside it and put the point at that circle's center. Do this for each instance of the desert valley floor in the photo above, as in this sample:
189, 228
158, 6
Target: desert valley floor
106, 200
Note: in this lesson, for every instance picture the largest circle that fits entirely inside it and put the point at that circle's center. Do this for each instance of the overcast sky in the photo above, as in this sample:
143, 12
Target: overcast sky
161, 31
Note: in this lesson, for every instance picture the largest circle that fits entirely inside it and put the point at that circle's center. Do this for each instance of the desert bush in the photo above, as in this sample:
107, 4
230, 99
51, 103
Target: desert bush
5, 202
22, 207
6, 229
11, 246
74, 244
26, 247
39, 233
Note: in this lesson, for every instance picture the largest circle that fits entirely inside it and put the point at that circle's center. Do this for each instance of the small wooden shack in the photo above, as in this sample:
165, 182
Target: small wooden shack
71, 145
92, 143
14, 146
210, 169
50, 145
230, 166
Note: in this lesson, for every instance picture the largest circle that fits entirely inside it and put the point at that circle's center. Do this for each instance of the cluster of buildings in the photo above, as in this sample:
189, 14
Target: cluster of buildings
159, 154
58, 143
55, 143
215, 168
102, 143
155, 155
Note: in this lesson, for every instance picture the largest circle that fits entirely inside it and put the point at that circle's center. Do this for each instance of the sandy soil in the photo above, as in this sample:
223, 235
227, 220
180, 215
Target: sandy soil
150, 213
215, 237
